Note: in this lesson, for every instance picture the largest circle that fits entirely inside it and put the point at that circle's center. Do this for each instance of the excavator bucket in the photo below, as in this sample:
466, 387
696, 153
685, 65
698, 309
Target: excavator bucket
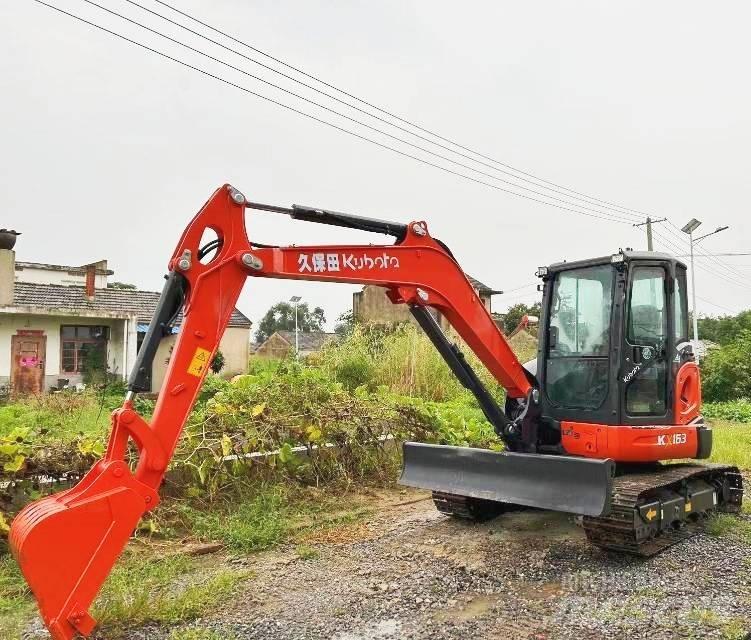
560, 483
67, 543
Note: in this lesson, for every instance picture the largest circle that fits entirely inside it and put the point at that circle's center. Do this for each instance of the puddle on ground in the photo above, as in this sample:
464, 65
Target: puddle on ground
471, 609
535, 524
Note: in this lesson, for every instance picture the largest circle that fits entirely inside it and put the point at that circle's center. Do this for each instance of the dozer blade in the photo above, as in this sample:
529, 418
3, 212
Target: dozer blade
67, 543
559, 483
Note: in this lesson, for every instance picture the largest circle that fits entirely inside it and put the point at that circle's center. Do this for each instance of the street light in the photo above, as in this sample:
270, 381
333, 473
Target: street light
689, 228
295, 300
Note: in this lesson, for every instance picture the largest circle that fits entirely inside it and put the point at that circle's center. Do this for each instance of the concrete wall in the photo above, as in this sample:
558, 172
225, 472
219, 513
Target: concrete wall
372, 305
7, 261
55, 276
275, 347
11, 323
235, 346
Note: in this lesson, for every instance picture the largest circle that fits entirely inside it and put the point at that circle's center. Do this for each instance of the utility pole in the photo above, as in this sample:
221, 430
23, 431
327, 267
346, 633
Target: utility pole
649, 222
296, 300
689, 228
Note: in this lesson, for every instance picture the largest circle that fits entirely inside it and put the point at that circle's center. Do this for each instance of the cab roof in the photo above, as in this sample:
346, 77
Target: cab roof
628, 256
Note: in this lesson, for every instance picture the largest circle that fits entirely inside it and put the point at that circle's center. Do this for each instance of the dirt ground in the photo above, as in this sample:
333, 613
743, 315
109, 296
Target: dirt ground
409, 572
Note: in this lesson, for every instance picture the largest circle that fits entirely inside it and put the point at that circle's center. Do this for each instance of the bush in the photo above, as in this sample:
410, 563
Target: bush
217, 362
726, 372
374, 389
734, 410
401, 359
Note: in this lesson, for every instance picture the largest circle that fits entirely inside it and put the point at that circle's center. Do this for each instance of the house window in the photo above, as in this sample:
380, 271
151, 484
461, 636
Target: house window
83, 346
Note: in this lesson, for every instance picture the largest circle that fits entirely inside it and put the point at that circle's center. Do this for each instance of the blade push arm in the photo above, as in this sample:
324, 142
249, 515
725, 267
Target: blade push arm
67, 543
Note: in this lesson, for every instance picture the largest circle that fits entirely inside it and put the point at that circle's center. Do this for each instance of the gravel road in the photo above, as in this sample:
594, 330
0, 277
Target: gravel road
412, 573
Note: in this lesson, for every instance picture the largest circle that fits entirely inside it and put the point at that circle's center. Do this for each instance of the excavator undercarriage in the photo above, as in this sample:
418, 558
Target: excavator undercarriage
650, 509
614, 392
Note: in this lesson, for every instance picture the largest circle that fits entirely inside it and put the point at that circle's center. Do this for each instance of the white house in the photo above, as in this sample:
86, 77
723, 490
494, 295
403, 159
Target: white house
54, 317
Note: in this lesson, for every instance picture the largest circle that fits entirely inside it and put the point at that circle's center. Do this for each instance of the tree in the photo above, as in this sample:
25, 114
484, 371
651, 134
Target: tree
726, 372
345, 323
725, 329
120, 285
281, 317
514, 315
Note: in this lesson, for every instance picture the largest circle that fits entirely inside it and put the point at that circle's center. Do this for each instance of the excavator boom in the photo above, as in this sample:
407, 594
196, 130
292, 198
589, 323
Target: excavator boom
67, 543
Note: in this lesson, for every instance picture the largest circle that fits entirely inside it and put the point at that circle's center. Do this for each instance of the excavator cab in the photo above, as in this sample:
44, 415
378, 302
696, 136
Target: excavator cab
613, 344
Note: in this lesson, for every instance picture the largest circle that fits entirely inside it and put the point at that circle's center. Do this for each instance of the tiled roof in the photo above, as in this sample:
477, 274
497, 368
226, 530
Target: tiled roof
479, 286
309, 340
124, 301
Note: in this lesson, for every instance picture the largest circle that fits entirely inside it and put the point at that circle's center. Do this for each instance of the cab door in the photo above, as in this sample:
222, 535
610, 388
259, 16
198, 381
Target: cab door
647, 348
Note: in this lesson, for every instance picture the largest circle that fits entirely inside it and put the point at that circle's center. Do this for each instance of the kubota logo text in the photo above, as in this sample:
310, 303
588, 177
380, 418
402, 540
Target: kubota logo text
320, 262
630, 375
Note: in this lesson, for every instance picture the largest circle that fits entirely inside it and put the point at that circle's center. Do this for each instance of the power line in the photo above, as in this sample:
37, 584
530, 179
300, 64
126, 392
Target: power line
620, 209
680, 237
360, 110
524, 286
719, 306
320, 120
389, 113
708, 255
701, 251
718, 274
711, 270
342, 115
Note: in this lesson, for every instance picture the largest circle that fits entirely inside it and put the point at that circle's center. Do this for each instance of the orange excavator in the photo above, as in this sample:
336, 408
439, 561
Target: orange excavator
613, 392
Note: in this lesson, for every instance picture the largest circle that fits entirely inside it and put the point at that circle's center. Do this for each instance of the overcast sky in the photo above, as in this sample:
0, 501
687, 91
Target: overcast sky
109, 150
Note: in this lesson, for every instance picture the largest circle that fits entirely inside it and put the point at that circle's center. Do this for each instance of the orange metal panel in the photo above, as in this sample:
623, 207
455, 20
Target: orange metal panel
629, 444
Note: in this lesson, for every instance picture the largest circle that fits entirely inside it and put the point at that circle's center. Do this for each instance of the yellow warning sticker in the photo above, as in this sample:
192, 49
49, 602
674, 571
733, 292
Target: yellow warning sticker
688, 507
651, 514
199, 363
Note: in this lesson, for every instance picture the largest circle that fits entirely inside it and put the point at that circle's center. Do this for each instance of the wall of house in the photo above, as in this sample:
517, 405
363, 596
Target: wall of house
11, 323
57, 276
275, 347
235, 346
371, 305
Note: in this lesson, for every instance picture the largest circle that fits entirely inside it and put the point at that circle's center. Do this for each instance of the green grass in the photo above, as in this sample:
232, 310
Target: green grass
16, 604
731, 443
62, 416
257, 523
271, 515
140, 590
729, 628
161, 590
725, 524
306, 552
175, 589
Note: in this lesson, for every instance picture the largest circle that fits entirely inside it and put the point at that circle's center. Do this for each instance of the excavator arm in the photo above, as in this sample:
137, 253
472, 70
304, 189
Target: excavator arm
67, 543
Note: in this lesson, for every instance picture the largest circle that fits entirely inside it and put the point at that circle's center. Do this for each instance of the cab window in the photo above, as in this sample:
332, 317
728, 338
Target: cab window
579, 337
646, 382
